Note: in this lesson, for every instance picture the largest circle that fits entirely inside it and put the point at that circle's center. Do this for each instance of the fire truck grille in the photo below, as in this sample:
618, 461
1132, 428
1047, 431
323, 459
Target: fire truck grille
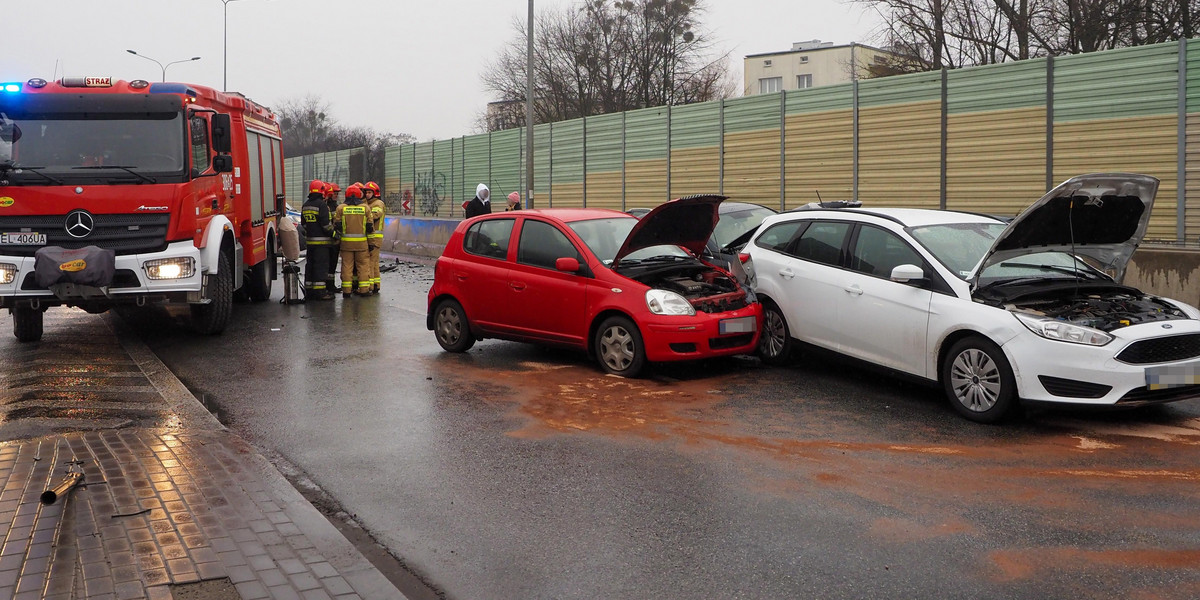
124, 234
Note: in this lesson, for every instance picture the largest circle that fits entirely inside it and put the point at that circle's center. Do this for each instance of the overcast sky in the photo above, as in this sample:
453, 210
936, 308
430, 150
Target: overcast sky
403, 66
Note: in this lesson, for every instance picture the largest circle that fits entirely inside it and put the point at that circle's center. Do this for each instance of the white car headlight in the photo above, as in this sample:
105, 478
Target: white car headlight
663, 302
1062, 331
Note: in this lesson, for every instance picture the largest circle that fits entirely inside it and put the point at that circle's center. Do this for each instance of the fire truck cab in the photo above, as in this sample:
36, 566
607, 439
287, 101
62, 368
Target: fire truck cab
124, 194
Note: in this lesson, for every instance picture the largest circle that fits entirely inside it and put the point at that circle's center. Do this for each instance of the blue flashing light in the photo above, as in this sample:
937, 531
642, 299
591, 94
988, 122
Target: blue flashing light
169, 88
10, 87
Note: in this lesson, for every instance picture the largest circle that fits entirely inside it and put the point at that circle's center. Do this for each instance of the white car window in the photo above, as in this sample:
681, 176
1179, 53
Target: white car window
822, 242
778, 236
877, 252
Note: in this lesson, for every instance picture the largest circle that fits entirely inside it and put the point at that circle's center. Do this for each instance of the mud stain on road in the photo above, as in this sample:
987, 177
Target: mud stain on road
1028, 563
903, 531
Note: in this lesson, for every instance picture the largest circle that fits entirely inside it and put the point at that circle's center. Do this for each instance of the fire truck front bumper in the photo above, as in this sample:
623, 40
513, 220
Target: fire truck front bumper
173, 275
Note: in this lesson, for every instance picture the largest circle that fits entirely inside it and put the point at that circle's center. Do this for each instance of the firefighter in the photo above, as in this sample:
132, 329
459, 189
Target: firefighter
331, 200
318, 229
375, 239
353, 221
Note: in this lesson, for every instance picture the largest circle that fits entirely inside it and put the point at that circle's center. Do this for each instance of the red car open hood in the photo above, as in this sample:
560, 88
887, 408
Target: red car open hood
687, 222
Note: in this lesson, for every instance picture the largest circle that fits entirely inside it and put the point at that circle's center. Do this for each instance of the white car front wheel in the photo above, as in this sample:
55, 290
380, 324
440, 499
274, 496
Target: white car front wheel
978, 380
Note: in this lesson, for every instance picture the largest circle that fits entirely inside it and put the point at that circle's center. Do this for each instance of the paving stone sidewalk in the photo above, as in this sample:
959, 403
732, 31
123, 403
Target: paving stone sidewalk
185, 510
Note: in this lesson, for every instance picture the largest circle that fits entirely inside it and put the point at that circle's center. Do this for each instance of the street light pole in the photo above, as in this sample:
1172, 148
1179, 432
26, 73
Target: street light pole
529, 110
225, 51
162, 66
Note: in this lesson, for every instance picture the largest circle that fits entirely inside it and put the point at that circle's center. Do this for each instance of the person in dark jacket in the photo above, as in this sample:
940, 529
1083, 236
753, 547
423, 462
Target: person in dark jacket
318, 229
481, 203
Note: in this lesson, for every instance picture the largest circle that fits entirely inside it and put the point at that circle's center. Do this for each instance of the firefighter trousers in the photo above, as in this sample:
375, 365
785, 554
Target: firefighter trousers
374, 260
316, 267
356, 260
332, 253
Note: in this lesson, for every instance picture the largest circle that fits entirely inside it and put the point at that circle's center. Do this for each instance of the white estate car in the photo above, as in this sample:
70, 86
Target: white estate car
995, 312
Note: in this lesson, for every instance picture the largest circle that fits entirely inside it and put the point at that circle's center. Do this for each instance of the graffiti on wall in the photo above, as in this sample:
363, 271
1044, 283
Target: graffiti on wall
330, 172
430, 192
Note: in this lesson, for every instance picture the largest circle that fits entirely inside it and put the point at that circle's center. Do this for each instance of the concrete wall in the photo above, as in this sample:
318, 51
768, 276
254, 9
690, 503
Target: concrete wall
1166, 272
424, 237
1174, 273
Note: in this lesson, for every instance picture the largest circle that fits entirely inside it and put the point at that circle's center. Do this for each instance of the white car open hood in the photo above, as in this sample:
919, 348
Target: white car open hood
1101, 216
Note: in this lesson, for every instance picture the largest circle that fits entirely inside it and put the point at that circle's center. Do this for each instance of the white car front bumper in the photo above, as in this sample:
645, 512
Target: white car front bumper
1062, 372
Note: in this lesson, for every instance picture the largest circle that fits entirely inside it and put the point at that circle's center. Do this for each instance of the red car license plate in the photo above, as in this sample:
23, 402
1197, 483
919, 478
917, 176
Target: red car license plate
739, 325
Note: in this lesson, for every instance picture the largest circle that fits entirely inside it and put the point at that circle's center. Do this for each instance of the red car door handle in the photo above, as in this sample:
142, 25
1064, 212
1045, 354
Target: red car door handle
460, 276
516, 285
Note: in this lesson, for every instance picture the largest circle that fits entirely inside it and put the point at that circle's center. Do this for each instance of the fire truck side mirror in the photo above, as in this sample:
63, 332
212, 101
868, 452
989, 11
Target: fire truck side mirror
10, 133
222, 138
222, 163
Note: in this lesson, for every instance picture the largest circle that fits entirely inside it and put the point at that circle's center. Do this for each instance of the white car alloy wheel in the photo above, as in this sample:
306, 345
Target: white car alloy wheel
775, 343
978, 380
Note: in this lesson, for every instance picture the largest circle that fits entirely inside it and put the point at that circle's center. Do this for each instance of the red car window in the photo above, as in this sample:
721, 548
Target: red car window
542, 244
489, 238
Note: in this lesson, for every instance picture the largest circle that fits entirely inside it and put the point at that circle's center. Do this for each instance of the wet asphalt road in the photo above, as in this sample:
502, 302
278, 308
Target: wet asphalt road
519, 472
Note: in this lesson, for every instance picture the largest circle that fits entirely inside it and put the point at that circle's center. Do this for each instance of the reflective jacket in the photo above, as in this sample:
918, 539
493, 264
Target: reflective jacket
353, 222
377, 208
318, 229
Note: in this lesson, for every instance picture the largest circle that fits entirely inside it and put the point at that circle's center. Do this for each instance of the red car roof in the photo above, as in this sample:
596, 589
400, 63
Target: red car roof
577, 214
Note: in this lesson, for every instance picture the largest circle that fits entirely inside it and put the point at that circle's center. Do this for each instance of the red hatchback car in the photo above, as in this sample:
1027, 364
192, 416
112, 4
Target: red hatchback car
627, 291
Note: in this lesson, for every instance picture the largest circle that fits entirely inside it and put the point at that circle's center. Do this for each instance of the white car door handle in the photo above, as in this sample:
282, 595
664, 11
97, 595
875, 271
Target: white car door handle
854, 290
786, 273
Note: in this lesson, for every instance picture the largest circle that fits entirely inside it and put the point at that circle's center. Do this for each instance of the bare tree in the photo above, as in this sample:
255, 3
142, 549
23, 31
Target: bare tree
308, 128
935, 34
306, 125
603, 56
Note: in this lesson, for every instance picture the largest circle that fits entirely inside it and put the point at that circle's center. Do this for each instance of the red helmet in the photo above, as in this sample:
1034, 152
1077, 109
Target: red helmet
327, 190
371, 185
317, 187
354, 191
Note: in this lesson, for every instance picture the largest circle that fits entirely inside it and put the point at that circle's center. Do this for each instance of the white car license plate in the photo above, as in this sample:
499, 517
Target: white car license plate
22, 239
1172, 376
739, 325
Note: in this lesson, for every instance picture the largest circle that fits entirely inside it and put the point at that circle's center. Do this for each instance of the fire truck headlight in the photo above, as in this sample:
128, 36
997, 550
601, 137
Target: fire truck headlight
8, 273
170, 268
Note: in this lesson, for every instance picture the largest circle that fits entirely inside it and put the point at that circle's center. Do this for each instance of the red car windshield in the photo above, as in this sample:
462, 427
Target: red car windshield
605, 236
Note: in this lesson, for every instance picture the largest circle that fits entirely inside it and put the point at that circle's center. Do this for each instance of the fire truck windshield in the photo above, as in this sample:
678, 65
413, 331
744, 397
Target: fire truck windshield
110, 146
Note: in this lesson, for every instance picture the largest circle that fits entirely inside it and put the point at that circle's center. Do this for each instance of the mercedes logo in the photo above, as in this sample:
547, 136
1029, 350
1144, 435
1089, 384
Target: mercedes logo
79, 224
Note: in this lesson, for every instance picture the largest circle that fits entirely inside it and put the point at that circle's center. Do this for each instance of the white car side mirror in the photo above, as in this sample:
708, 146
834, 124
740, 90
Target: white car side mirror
906, 273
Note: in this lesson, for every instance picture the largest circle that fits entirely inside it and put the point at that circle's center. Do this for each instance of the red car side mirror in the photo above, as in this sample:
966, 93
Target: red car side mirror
566, 264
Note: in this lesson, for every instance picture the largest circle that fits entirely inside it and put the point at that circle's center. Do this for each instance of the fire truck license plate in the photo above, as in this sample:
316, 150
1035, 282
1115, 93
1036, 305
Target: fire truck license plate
22, 239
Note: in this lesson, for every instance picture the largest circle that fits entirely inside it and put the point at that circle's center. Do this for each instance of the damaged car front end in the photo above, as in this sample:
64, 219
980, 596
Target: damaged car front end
1057, 269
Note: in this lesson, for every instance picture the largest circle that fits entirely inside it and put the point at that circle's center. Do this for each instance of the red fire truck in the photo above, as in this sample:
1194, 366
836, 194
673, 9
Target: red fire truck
124, 194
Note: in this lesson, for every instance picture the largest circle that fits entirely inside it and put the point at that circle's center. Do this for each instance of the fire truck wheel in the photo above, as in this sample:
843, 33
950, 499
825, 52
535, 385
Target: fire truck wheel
211, 318
27, 323
258, 286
